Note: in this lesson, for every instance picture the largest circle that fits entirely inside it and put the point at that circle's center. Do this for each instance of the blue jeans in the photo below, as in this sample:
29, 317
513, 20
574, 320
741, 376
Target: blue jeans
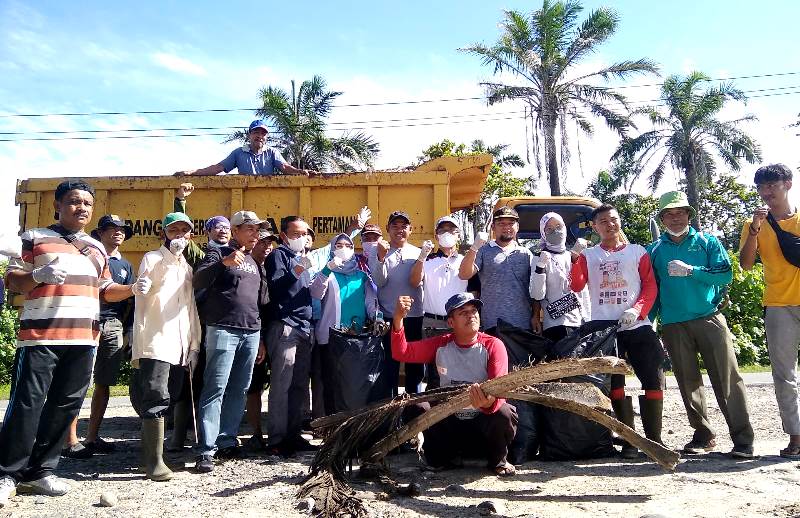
230, 355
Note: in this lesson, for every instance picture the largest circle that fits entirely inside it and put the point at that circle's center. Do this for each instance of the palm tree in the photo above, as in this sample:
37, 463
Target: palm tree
540, 50
690, 136
299, 119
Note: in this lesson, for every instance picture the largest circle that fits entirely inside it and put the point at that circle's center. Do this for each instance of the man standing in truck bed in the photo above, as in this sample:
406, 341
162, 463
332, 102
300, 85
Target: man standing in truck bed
253, 158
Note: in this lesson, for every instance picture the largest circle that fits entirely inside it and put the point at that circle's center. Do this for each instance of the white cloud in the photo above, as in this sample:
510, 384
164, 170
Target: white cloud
178, 64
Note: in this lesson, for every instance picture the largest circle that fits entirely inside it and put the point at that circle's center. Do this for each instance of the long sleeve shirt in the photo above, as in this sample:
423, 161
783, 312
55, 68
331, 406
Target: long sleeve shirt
550, 282
165, 321
232, 293
686, 298
289, 298
618, 280
482, 360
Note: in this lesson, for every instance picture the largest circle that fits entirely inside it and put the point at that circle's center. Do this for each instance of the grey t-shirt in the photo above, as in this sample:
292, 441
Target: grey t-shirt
505, 279
391, 278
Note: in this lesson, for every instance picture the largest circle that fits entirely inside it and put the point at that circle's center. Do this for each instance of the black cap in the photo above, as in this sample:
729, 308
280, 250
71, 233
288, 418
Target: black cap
398, 214
112, 220
461, 299
505, 212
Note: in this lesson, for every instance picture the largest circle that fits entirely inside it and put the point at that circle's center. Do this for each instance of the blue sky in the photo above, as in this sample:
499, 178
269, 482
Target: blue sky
91, 56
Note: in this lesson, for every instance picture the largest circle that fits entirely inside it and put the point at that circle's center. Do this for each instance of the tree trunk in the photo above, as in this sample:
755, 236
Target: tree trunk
549, 123
691, 189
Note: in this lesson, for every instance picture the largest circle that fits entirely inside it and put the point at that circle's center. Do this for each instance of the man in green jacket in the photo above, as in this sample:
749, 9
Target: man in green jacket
692, 270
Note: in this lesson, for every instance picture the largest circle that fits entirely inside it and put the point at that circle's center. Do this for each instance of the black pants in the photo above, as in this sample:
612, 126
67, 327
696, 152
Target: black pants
643, 350
152, 388
486, 435
415, 372
48, 385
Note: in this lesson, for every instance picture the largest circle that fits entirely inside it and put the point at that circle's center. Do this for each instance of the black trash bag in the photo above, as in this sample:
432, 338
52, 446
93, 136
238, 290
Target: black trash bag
524, 348
357, 363
568, 436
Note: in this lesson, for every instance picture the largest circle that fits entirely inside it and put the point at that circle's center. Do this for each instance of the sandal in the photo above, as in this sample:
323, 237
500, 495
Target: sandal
791, 452
505, 469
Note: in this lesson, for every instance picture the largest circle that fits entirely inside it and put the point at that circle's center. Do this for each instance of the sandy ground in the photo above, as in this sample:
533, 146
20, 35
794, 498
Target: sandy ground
712, 485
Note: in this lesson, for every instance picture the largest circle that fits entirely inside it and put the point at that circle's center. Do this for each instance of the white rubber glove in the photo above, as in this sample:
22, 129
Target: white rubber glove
480, 239
49, 273
335, 263
191, 359
629, 317
10, 245
142, 286
580, 245
677, 268
544, 259
425, 251
363, 216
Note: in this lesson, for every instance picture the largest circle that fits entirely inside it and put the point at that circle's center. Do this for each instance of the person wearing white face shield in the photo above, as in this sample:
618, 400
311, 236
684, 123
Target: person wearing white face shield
563, 309
348, 297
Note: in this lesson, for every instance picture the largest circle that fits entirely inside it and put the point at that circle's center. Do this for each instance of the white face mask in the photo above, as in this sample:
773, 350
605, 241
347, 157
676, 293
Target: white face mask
297, 245
678, 233
177, 246
343, 253
447, 240
369, 248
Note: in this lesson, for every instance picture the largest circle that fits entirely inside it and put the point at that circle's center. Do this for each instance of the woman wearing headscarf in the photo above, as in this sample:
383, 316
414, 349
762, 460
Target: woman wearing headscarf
348, 297
562, 308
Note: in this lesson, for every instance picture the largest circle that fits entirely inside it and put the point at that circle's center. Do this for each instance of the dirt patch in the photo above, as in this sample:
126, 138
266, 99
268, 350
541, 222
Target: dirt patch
712, 485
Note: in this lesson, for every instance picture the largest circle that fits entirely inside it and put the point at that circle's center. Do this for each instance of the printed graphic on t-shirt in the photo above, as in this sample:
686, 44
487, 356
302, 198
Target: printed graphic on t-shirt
613, 286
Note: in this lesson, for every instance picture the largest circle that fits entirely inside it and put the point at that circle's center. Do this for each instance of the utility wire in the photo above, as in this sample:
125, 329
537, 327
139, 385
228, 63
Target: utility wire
101, 134
384, 103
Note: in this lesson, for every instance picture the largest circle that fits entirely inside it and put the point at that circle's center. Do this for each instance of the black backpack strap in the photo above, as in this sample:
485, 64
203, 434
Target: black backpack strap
774, 224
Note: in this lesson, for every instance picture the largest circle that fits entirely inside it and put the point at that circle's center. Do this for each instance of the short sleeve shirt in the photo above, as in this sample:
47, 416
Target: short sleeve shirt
505, 279
266, 163
781, 278
68, 313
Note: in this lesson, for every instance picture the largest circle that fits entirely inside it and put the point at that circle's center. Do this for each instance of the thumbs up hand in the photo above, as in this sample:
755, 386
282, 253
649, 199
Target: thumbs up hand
235, 258
50, 273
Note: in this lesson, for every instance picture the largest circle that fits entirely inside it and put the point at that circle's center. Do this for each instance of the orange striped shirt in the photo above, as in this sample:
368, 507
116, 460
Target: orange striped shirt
62, 314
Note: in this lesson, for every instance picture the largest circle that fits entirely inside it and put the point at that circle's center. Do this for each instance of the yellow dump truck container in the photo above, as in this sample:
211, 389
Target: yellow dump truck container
328, 203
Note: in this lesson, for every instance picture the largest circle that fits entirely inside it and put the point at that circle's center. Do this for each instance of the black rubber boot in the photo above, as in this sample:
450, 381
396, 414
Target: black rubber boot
153, 449
651, 411
623, 410
182, 416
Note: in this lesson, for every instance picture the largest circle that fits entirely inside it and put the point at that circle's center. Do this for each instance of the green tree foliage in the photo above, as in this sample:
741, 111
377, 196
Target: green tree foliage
542, 50
635, 210
724, 206
300, 118
9, 326
500, 183
689, 136
745, 314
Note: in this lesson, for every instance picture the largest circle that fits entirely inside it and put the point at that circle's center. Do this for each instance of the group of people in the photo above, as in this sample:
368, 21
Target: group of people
210, 327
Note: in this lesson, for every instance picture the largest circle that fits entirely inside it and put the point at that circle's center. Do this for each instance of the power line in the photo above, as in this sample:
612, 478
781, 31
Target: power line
354, 105
101, 133
226, 134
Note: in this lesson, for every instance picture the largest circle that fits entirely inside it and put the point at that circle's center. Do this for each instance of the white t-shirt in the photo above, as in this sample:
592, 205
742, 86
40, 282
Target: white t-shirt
441, 282
614, 281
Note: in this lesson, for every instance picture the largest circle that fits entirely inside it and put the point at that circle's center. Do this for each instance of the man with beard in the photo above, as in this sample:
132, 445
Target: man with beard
253, 158
504, 269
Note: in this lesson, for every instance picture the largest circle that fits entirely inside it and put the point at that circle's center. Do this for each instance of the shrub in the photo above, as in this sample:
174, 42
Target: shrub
745, 314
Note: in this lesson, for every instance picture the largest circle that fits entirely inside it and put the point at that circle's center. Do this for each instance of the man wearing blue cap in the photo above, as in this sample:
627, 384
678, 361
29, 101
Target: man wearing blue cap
464, 355
253, 158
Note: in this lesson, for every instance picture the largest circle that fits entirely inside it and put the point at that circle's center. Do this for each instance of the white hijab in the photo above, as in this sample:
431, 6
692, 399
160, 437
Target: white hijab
559, 247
